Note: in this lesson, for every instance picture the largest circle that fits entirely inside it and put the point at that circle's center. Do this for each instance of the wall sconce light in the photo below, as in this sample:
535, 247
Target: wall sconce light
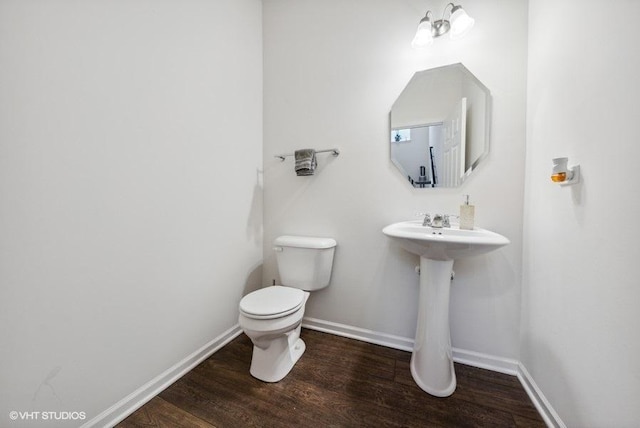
563, 175
458, 25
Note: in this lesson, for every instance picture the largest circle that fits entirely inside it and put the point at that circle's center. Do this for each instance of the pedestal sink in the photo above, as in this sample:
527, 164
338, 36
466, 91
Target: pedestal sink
431, 361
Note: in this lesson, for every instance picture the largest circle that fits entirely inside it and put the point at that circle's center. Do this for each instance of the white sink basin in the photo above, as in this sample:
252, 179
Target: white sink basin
431, 362
444, 243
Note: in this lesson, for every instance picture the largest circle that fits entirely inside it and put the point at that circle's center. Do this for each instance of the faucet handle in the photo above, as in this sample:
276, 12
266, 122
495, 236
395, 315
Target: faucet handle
446, 220
427, 218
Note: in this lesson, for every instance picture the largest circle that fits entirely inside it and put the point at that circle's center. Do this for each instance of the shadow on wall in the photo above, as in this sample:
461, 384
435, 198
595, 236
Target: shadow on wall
253, 281
396, 269
562, 388
577, 195
493, 269
254, 221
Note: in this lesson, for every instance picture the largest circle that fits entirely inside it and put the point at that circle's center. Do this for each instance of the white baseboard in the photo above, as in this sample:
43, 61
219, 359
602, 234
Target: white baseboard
470, 358
364, 335
142, 395
551, 418
485, 361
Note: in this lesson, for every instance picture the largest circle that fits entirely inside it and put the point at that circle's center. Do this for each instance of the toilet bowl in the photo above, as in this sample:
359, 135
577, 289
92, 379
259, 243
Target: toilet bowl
276, 337
272, 317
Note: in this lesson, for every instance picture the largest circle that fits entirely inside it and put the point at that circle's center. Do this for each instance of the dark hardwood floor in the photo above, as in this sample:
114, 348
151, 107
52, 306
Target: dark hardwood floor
338, 382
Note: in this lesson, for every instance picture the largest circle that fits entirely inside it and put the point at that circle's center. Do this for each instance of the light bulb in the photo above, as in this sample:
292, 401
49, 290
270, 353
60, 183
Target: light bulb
461, 23
423, 35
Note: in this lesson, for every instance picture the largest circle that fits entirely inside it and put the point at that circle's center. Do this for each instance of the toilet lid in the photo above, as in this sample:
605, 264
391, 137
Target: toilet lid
272, 302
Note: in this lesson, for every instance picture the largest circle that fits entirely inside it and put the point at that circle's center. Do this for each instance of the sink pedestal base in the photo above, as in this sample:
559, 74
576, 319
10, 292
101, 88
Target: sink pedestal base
431, 361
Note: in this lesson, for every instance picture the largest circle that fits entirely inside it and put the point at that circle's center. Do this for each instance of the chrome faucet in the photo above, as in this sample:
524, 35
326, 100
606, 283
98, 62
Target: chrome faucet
437, 221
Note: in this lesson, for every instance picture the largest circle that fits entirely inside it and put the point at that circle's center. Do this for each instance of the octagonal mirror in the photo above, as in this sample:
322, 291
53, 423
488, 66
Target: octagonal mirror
440, 127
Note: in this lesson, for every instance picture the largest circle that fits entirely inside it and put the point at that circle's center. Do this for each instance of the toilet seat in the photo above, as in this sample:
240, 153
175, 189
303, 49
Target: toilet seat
272, 302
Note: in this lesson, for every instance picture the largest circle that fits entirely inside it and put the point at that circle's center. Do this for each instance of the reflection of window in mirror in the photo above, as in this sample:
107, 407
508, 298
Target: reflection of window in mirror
400, 135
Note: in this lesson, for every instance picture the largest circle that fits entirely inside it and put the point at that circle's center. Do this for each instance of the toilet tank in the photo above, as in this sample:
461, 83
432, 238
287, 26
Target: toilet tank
304, 262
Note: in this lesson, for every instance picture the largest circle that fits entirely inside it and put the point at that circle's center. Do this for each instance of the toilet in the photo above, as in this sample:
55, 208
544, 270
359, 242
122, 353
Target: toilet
272, 316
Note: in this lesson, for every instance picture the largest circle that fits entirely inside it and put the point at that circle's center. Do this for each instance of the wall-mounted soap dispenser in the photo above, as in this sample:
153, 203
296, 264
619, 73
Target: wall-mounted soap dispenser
467, 214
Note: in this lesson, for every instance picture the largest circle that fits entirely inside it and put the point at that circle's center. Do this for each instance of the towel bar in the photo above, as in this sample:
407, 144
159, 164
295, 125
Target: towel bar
335, 152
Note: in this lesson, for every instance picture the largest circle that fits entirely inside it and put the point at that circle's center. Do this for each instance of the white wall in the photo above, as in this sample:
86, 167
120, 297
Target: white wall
332, 71
130, 221
580, 339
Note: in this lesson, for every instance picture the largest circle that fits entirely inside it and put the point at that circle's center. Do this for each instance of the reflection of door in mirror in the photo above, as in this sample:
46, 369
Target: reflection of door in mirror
454, 147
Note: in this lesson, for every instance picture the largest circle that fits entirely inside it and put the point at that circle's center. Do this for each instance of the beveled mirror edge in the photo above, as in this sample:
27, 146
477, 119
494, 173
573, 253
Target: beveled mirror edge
487, 133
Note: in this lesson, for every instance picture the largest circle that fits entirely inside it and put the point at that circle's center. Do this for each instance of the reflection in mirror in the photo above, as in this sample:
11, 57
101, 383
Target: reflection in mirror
440, 127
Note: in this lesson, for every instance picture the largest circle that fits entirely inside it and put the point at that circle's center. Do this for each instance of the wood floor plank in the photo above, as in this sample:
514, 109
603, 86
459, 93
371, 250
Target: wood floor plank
496, 395
522, 422
465, 371
409, 400
220, 406
338, 382
292, 402
351, 355
158, 413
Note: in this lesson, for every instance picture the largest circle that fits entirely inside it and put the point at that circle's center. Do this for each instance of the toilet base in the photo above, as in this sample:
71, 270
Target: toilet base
273, 359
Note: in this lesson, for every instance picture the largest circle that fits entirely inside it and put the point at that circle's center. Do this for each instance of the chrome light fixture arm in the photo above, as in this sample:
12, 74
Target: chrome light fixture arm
428, 29
442, 26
